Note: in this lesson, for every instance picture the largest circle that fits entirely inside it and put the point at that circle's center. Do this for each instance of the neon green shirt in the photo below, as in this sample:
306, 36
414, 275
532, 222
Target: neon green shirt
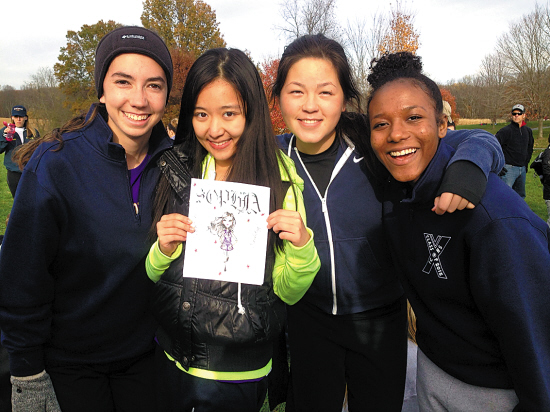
293, 271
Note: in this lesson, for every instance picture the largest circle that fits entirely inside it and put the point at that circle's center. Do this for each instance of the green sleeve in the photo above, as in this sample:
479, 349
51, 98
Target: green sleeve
296, 267
157, 262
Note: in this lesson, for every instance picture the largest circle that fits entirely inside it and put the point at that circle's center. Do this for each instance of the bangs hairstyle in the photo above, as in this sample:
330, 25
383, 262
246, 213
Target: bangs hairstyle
256, 159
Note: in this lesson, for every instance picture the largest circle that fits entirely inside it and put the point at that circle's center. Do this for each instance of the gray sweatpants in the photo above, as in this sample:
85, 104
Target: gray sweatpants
438, 391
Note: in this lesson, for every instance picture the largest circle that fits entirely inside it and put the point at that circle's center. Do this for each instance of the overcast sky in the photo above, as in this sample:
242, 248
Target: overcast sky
454, 35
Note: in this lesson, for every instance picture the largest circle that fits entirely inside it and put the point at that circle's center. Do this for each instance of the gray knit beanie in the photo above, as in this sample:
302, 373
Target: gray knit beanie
131, 39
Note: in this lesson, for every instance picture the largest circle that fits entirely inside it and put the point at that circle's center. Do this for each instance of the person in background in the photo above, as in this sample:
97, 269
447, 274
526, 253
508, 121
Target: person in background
477, 280
349, 329
171, 129
516, 140
546, 178
8, 144
75, 317
447, 112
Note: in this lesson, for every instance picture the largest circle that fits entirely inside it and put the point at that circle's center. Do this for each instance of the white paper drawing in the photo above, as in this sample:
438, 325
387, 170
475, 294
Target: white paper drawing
230, 238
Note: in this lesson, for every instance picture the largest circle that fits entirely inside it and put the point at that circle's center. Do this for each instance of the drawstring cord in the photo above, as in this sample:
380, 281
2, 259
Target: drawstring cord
239, 302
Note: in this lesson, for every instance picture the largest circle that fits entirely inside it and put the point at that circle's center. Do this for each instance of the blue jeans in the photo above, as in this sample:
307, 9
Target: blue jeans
515, 178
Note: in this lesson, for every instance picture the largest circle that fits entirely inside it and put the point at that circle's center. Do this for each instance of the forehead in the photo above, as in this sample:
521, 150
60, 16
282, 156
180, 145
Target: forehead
219, 92
402, 89
134, 63
403, 86
313, 67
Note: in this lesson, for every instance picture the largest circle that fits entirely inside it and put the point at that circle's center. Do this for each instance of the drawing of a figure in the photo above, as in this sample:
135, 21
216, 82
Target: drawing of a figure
223, 227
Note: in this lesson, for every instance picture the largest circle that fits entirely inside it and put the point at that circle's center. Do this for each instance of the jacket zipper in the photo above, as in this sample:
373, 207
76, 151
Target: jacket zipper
324, 209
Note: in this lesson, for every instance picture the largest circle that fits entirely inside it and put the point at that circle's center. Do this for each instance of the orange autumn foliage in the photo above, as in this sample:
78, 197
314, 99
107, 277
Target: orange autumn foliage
401, 35
268, 74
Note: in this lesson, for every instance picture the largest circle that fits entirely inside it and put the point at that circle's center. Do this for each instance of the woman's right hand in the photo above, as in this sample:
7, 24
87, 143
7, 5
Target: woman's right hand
172, 229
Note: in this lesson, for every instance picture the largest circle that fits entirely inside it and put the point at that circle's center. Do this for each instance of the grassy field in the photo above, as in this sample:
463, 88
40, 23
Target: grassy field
5, 196
533, 186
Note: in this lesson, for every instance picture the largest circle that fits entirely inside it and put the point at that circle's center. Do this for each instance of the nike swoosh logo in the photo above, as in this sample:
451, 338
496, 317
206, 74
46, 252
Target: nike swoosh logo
356, 160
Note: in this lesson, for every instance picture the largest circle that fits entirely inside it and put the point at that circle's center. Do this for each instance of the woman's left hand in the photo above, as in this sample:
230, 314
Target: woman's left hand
289, 226
449, 202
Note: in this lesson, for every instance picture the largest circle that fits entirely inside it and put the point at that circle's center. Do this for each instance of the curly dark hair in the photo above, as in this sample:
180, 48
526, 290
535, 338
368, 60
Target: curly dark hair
402, 65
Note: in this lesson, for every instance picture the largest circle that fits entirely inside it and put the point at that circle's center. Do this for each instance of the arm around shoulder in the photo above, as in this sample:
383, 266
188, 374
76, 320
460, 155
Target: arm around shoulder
478, 147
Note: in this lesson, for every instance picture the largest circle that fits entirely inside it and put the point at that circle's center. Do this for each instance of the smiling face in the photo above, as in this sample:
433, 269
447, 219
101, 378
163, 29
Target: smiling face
134, 94
405, 129
312, 101
219, 121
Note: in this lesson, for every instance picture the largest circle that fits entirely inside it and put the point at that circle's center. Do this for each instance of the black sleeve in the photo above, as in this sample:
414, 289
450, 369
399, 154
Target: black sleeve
465, 179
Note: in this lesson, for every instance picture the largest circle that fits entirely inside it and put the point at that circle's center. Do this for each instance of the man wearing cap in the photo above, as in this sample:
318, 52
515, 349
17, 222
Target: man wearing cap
517, 145
9, 142
74, 294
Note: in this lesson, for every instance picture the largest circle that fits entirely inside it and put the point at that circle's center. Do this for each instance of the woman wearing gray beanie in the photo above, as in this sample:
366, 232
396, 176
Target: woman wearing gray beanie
74, 311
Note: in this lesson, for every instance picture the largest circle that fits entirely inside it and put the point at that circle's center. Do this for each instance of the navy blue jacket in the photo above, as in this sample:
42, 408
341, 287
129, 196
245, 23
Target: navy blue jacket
357, 272
478, 281
80, 292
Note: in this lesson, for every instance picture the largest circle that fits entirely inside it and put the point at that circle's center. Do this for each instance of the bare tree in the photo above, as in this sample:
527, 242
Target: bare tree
8, 99
363, 44
525, 49
45, 100
494, 77
467, 92
303, 17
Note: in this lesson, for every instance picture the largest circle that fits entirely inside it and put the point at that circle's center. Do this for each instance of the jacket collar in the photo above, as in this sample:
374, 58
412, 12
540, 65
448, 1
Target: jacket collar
100, 136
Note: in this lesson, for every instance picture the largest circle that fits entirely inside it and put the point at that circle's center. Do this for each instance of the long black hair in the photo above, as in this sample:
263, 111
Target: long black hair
257, 155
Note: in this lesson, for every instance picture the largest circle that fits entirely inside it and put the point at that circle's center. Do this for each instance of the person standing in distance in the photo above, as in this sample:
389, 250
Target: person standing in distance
517, 144
9, 143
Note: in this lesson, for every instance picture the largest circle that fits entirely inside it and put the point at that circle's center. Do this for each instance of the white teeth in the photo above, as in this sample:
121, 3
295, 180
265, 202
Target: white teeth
402, 152
219, 143
136, 116
308, 121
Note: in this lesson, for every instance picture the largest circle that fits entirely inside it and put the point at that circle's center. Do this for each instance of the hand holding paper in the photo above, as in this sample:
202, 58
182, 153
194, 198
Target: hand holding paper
172, 229
289, 226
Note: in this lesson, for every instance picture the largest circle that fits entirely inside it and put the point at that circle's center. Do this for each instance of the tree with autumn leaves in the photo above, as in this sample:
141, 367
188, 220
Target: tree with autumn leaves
401, 34
188, 25
268, 74
75, 69
449, 98
189, 28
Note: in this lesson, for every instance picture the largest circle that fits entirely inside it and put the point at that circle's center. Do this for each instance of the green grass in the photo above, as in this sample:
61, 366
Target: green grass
6, 200
533, 186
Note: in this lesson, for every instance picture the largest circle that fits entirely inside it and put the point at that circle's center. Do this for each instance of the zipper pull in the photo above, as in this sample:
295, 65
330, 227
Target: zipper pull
324, 205
136, 208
